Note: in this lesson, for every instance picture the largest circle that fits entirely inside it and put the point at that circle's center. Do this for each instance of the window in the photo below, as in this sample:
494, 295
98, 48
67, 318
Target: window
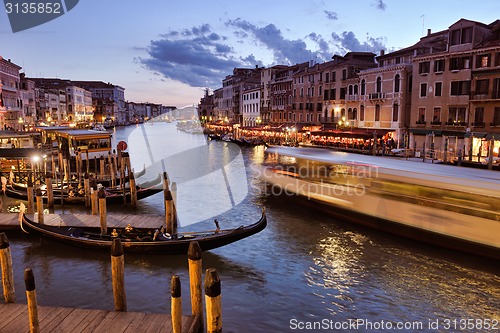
496, 116
439, 65
379, 85
483, 60
436, 116
334, 76
395, 112
459, 63
362, 113
327, 77
479, 116
354, 113
410, 83
421, 116
456, 115
397, 82
349, 114
355, 89
351, 90
482, 87
497, 59
333, 94
377, 112
342, 93
344, 74
326, 95
461, 36
424, 67
438, 87
496, 88
363, 86
423, 89
460, 88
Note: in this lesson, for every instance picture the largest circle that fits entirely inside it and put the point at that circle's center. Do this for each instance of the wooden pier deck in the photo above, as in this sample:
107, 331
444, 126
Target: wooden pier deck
9, 221
14, 318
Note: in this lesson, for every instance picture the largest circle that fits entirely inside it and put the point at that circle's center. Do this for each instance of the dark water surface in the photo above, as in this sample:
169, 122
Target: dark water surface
304, 269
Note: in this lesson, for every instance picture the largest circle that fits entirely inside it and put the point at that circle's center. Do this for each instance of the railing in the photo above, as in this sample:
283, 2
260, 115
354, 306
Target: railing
376, 96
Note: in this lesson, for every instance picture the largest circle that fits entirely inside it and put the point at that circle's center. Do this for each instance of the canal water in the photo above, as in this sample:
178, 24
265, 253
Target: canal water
305, 270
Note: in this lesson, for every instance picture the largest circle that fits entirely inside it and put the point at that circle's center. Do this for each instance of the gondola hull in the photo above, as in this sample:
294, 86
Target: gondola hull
141, 240
112, 196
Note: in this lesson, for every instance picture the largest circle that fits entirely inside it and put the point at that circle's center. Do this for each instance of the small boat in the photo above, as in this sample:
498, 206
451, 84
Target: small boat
73, 197
145, 240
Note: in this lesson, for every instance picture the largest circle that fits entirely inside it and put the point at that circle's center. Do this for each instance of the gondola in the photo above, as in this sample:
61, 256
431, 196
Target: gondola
145, 240
113, 195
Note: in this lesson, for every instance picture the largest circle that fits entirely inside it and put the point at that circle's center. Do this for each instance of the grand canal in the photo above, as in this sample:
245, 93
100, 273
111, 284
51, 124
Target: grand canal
305, 267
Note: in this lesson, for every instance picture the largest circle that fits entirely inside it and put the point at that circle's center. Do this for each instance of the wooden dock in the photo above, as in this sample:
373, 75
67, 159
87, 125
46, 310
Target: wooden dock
14, 318
9, 221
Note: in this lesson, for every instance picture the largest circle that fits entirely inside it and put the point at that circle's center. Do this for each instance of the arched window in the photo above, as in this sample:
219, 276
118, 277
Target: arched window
350, 89
363, 87
354, 114
361, 113
377, 112
355, 89
397, 80
379, 84
349, 114
395, 112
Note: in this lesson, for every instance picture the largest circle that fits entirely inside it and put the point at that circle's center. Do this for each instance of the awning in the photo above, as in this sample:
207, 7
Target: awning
478, 135
423, 131
494, 136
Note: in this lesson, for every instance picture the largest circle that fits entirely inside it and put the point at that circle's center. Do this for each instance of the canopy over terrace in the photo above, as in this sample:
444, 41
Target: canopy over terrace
355, 138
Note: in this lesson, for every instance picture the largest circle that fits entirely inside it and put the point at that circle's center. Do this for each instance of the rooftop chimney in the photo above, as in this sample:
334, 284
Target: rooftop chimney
428, 32
382, 52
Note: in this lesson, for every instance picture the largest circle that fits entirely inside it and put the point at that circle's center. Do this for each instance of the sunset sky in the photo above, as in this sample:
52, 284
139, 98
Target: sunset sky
168, 51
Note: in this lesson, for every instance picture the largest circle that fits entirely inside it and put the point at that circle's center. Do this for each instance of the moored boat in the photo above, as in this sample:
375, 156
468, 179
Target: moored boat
146, 240
438, 204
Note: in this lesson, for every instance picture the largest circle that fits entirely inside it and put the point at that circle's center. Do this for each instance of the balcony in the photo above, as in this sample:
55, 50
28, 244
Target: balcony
376, 96
478, 124
435, 123
352, 98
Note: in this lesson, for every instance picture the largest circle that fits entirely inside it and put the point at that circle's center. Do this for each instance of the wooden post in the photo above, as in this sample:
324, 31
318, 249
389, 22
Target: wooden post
114, 168
39, 205
86, 188
31, 196
95, 166
87, 161
133, 190
176, 304
29, 281
169, 214
174, 197
101, 167
65, 168
166, 182
77, 165
118, 275
213, 301
7, 271
195, 284
102, 211
50, 190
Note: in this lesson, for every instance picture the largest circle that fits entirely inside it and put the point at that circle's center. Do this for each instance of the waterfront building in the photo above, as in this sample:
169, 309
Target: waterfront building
79, 104
206, 108
109, 98
10, 98
28, 106
456, 107
267, 80
251, 106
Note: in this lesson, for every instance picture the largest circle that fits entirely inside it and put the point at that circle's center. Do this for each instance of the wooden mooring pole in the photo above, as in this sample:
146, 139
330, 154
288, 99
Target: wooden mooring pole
39, 205
7, 270
31, 196
50, 190
133, 190
176, 304
195, 281
86, 188
169, 214
118, 275
213, 301
102, 211
29, 281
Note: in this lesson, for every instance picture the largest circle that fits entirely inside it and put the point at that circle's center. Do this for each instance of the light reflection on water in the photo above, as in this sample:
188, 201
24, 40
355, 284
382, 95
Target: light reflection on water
305, 265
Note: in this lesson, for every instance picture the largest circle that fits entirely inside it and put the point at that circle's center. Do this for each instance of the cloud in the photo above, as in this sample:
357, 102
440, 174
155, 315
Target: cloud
331, 15
284, 51
380, 5
347, 41
201, 57
197, 56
